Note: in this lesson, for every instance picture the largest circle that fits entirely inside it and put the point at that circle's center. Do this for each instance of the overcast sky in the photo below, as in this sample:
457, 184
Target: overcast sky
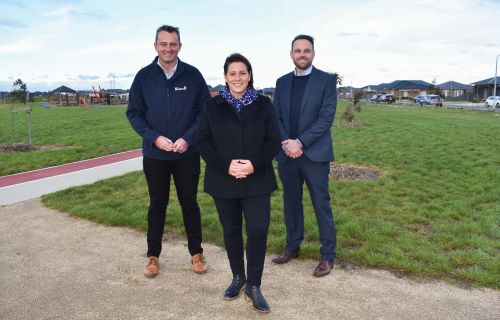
104, 43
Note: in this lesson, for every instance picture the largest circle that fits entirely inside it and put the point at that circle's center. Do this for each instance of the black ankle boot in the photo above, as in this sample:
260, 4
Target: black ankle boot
252, 293
233, 291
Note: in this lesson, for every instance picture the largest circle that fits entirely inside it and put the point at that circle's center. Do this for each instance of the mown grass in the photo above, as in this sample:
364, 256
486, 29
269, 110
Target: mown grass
76, 133
434, 213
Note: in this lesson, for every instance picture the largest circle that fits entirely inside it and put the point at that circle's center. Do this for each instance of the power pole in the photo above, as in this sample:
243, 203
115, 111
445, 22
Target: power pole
495, 86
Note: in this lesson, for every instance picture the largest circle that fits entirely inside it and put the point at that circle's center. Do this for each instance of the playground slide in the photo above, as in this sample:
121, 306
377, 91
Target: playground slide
84, 102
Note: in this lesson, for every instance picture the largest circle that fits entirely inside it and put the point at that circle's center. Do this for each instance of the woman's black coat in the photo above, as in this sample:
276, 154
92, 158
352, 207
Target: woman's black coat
223, 137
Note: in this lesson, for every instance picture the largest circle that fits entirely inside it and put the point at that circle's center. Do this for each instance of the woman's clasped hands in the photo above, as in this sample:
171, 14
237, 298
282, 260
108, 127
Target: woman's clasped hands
240, 168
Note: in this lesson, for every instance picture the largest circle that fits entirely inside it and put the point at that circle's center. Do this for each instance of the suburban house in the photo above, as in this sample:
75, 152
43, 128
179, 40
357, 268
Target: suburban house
484, 88
401, 89
267, 92
215, 90
454, 89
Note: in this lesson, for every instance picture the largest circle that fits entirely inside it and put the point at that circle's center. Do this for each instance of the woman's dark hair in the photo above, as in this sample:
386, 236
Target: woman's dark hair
236, 57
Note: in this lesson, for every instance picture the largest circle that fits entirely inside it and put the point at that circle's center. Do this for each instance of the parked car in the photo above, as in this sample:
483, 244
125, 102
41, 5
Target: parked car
388, 98
491, 101
432, 99
375, 97
417, 99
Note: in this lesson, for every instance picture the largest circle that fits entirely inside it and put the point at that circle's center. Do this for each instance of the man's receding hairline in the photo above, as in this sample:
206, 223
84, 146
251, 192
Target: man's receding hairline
157, 40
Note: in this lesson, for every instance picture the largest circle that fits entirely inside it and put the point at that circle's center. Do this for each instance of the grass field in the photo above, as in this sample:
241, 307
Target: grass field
434, 213
73, 133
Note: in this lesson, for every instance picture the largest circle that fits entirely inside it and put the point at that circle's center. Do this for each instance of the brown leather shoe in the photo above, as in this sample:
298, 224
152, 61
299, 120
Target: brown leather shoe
199, 263
151, 267
286, 256
323, 268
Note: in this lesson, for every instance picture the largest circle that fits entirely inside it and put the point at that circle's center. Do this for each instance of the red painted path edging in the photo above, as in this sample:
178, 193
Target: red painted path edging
67, 168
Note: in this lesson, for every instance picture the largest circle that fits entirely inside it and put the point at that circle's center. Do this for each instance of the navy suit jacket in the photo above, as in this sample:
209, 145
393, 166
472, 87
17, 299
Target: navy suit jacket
317, 113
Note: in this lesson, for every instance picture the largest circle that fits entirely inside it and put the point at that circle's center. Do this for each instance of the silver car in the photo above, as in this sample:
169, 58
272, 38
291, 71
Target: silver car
491, 101
432, 99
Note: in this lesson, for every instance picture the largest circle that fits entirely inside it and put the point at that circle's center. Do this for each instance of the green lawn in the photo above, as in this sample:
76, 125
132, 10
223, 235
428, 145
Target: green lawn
77, 133
434, 213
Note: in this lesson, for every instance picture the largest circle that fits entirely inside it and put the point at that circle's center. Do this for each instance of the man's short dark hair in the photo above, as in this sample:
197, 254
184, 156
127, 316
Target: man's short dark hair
169, 29
304, 37
236, 57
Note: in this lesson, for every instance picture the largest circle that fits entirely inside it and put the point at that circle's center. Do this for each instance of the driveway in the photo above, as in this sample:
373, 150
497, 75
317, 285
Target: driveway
53, 266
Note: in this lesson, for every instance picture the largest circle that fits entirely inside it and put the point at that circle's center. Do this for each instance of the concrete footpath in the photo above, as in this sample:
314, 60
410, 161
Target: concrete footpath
53, 266
33, 184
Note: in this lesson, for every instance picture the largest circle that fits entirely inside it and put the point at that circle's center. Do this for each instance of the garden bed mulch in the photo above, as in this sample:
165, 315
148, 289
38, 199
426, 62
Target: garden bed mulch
339, 171
22, 147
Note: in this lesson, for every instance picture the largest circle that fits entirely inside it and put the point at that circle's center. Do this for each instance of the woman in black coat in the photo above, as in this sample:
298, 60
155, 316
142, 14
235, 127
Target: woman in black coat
238, 139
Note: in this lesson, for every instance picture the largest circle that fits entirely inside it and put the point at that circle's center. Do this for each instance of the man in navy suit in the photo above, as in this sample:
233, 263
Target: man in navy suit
305, 102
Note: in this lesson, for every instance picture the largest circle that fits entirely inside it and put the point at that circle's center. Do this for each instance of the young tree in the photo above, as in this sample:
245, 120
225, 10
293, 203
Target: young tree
352, 107
338, 77
20, 93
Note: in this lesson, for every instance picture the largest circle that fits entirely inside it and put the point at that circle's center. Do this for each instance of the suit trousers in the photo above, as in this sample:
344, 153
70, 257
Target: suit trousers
186, 173
256, 211
293, 173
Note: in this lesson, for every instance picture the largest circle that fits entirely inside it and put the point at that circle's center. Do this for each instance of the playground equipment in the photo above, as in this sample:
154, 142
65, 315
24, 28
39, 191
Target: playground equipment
84, 102
64, 96
97, 97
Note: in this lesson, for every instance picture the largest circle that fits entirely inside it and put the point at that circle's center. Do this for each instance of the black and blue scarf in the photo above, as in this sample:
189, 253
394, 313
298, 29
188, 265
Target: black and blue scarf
248, 97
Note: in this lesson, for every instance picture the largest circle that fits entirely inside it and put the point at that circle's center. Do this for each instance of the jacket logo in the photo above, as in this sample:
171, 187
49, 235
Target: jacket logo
180, 88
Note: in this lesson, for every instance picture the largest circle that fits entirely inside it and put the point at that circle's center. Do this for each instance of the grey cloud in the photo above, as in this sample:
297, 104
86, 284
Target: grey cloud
87, 77
120, 75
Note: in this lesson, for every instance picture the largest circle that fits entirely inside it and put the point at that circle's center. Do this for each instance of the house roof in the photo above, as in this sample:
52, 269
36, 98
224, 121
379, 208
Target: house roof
268, 90
453, 85
401, 85
63, 89
217, 88
381, 86
409, 84
487, 81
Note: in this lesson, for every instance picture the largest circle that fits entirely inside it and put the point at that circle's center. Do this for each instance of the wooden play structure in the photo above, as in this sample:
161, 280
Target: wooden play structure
64, 96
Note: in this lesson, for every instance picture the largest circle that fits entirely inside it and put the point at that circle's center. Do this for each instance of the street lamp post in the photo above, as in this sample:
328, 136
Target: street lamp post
495, 86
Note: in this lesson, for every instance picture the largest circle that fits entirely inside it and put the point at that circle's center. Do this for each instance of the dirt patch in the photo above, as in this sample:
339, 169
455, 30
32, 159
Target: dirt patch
21, 147
339, 171
348, 125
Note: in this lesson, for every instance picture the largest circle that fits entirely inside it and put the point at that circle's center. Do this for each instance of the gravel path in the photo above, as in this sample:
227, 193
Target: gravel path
53, 266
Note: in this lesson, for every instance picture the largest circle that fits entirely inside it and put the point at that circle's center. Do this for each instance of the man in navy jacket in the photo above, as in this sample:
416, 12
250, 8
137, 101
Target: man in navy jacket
165, 100
305, 102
